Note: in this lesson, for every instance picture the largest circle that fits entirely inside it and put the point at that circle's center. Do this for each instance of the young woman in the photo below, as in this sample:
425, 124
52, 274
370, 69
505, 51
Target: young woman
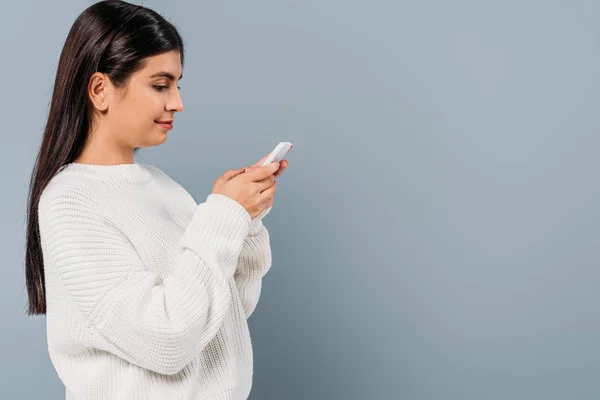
146, 293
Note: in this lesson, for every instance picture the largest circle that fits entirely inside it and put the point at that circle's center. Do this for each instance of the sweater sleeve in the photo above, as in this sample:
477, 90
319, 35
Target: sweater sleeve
256, 223
157, 323
252, 265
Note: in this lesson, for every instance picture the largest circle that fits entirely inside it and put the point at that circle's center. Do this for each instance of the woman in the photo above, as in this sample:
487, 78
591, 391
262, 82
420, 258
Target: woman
146, 293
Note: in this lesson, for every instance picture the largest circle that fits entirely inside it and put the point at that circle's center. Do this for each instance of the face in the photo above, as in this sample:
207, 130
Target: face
130, 114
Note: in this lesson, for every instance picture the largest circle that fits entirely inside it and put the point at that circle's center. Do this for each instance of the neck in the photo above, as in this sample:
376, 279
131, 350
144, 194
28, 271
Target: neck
100, 149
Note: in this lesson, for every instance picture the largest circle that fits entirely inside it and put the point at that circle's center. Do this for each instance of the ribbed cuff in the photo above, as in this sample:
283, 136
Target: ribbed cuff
217, 231
256, 224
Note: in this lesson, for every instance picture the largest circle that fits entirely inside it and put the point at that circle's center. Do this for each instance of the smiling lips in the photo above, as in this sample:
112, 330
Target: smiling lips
167, 124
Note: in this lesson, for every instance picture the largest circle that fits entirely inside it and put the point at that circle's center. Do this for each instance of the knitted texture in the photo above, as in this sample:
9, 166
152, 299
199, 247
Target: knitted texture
147, 292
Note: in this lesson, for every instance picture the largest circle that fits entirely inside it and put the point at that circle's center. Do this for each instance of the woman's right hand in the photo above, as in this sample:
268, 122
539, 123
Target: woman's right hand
253, 190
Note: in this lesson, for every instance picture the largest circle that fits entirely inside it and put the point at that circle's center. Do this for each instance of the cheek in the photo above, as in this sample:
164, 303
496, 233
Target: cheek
156, 107
148, 103
140, 111
148, 109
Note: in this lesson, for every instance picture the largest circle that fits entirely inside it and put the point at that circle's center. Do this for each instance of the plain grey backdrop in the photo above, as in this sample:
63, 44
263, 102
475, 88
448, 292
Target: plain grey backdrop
437, 233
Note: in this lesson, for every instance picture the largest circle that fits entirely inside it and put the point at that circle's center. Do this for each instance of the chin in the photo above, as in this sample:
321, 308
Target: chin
155, 140
161, 139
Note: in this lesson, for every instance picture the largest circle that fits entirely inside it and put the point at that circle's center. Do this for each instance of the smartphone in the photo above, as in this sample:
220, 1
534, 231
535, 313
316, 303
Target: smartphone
278, 153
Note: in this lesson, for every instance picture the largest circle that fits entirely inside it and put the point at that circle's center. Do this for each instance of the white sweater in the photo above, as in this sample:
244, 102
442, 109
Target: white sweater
147, 292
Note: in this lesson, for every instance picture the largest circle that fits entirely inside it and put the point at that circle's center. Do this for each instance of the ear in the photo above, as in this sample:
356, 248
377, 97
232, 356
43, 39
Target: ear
97, 89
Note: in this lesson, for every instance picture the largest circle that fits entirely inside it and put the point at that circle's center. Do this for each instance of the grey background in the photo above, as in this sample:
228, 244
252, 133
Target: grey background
436, 234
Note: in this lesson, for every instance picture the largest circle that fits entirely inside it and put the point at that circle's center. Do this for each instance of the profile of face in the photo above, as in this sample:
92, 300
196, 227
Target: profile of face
129, 116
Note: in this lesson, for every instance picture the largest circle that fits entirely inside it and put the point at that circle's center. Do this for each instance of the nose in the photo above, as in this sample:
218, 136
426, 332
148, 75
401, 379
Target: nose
175, 102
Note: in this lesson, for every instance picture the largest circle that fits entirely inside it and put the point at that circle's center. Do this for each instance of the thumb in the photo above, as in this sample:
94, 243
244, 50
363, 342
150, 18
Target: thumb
232, 173
262, 160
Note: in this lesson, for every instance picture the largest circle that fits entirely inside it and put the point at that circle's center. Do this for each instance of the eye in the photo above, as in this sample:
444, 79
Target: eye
163, 88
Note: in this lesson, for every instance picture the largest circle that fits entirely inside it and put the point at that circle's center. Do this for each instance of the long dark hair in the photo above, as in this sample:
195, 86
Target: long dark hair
113, 37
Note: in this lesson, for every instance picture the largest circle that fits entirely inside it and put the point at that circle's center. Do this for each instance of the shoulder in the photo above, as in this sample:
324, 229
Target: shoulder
69, 191
157, 172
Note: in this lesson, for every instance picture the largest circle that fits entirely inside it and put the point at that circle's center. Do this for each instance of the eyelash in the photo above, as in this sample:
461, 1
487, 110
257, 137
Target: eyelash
163, 88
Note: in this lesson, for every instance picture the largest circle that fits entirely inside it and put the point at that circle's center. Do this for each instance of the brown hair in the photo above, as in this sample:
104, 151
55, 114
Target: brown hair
113, 37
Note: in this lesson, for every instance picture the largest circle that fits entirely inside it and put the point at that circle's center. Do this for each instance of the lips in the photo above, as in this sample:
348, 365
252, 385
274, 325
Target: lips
165, 124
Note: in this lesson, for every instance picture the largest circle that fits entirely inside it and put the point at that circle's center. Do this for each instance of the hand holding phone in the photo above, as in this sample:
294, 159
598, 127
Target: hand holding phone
278, 152
276, 155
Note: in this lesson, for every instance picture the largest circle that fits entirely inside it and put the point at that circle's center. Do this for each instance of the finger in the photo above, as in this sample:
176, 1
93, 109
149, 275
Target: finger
256, 174
268, 203
283, 166
262, 160
268, 192
232, 173
266, 183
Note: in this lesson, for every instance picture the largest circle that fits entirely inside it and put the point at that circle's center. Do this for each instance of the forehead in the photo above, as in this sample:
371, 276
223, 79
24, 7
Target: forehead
167, 62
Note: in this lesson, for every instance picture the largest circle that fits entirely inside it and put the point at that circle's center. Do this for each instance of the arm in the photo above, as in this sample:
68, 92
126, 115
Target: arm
157, 324
253, 264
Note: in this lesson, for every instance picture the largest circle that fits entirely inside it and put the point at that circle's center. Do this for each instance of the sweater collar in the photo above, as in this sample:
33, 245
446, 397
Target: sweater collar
130, 172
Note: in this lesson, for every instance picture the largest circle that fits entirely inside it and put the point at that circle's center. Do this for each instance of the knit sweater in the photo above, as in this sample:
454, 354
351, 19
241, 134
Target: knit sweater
147, 292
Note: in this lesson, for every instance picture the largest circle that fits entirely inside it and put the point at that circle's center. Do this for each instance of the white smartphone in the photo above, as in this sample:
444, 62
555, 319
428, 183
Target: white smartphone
278, 153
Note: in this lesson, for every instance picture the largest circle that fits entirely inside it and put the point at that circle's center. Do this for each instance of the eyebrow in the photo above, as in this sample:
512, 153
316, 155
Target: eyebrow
168, 75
